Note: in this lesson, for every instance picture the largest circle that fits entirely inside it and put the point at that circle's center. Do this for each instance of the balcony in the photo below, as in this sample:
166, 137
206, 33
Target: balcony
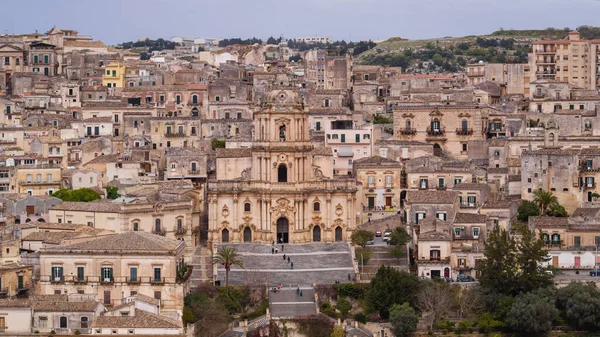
180, 231
130, 280
31, 183
423, 187
161, 232
469, 205
408, 131
589, 186
194, 173
538, 95
80, 280
464, 132
475, 74
380, 209
172, 135
436, 134
155, 280
441, 187
57, 280
107, 280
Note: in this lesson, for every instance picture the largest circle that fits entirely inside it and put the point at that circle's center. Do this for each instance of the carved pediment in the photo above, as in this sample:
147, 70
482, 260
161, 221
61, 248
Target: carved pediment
436, 112
464, 114
408, 115
283, 208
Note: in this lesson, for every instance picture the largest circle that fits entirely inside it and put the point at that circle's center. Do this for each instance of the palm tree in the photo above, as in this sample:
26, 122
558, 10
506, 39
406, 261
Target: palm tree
544, 199
227, 257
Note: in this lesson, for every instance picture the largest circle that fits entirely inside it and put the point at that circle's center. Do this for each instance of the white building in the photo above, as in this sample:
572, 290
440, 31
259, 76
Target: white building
315, 39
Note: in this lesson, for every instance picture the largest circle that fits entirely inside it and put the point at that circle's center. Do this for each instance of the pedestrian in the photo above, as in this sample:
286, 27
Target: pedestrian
282, 248
288, 259
300, 293
272, 250
283, 257
273, 243
292, 265
276, 251
349, 278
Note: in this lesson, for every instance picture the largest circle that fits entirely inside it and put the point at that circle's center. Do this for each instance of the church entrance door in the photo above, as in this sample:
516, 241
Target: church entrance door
283, 228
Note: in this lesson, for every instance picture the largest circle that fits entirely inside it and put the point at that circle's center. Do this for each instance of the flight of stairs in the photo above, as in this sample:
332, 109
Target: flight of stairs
201, 261
286, 304
380, 256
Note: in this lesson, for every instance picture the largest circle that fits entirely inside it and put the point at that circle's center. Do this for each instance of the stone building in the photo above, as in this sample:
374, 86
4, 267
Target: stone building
282, 189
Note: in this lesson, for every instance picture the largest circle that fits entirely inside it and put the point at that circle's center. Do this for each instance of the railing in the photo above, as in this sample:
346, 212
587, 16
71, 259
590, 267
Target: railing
180, 231
435, 132
106, 280
285, 187
423, 187
379, 209
154, 280
469, 205
553, 245
130, 280
174, 134
589, 185
190, 172
572, 248
408, 131
78, 280
39, 182
464, 132
536, 95
57, 280
441, 187
161, 232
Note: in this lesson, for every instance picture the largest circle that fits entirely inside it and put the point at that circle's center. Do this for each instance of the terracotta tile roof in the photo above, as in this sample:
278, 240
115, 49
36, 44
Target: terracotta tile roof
94, 206
376, 160
431, 197
400, 142
141, 319
322, 151
586, 213
329, 111
97, 120
14, 266
53, 225
514, 177
104, 159
547, 221
469, 218
497, 170
471, 187
437, 77
234, 153
434, 236
50, 237
146, 299
499, 204
497, 142
14, 303
61, 303
128, 242
196, 87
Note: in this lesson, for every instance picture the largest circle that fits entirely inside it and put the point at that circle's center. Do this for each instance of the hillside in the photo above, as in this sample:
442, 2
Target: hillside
451, 54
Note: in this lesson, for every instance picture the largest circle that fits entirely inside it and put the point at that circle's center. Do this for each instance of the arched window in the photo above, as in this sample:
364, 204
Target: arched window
179, 223
136, 226
157, 226
63, 322
326, 102
316, 207
546, 238
282, 132
282, 174
195, 99
435, 125
247, 207
555, 238
408, 124
464, 125
225, 235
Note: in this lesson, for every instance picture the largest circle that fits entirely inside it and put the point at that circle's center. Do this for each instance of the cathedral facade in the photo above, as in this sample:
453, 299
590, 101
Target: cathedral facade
281, 189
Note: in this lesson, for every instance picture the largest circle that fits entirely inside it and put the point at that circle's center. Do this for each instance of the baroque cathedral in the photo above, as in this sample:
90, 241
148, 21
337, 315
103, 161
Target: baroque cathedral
282, 188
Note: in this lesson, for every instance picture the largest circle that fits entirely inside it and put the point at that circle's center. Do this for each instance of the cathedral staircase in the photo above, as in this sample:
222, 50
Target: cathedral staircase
201, 261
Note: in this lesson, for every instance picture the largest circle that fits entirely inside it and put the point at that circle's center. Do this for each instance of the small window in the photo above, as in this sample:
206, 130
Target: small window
63, 322
247, 207
317, 207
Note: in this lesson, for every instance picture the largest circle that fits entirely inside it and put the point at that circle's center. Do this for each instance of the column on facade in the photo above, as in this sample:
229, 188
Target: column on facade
235, 212
349, 209
328, 213
268, 205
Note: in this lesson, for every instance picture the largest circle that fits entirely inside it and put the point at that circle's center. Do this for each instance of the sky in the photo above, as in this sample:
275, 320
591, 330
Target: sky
114, 21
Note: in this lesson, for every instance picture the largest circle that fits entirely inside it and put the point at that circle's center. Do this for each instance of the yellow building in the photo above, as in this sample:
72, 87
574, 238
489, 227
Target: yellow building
114, 75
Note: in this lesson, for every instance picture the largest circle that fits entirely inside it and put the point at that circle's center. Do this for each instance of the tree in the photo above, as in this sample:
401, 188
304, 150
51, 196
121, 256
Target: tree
363, 255
217, 144
499, 268
404, 319
79, 195
227, 257
211, 317
557, 210
527, 209
390, 286
468, 302
532, 261
563, 295
509, 267
343, 306
532, 313
397, 252
435, 301
583, 311
399, 236
544, 199
112, 192
361, 236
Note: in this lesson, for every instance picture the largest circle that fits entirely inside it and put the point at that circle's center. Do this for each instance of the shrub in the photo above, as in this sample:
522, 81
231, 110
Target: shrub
365, 253
360, 317
352, 290
329, 310
343, 306
77, 332
261, 310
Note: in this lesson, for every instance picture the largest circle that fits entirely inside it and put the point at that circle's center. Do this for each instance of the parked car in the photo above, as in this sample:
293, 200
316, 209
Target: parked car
595, 272
378, 234
371, 242
423, 278
387, 232
464, 278
386, 239
447, 279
